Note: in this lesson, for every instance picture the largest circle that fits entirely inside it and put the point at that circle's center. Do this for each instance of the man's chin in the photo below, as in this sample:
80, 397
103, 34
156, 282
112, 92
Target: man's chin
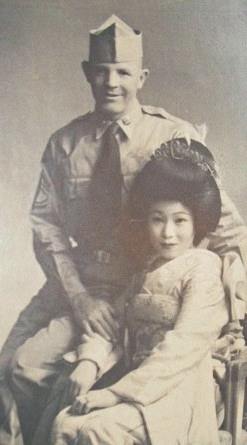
112, 110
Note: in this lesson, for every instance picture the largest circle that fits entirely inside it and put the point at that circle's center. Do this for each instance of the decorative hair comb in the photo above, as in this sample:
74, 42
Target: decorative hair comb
179, 149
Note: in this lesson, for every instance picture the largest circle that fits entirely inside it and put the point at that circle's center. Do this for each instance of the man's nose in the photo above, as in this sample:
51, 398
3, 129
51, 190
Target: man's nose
112, 79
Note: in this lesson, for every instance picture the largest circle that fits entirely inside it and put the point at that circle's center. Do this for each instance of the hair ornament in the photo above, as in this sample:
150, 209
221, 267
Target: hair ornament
179, 149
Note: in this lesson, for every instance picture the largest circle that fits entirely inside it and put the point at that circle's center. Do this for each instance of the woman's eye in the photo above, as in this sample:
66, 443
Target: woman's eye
180, 220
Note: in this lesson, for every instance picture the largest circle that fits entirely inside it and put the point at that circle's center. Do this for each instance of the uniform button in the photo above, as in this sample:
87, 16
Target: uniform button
126, 120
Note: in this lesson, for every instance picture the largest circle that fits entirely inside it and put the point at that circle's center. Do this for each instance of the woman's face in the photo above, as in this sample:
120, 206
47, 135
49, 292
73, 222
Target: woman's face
170, 228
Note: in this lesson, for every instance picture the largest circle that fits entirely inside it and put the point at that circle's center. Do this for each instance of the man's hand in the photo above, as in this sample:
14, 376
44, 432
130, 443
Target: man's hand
80, 381
85, 403
94, 315
188, 132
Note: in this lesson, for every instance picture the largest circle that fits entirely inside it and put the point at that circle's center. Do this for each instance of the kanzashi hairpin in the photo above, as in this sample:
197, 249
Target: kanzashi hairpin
179, 150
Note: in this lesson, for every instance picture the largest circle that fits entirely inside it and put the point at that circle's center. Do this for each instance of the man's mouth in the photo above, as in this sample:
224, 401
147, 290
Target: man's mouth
112, 95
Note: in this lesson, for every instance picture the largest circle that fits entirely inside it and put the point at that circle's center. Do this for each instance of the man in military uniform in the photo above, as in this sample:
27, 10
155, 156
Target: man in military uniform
74, 239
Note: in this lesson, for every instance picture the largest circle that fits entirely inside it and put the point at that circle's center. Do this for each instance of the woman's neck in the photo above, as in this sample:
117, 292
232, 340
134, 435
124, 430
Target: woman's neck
153, 261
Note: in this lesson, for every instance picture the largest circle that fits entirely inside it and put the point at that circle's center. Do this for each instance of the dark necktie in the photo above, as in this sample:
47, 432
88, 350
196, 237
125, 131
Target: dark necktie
105, 189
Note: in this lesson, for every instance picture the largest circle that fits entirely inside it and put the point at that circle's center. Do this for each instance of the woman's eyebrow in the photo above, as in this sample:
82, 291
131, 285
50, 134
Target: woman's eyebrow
182, 212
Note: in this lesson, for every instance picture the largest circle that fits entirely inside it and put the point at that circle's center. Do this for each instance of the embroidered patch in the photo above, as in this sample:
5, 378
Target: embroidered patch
42, 194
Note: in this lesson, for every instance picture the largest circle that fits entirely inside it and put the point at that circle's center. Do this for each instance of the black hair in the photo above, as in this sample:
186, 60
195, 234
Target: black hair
186, 175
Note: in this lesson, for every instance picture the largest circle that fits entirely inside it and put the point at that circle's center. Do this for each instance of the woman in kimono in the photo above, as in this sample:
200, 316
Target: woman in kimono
174, 313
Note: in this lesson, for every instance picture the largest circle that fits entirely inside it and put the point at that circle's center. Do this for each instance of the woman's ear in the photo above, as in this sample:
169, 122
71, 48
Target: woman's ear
86, 68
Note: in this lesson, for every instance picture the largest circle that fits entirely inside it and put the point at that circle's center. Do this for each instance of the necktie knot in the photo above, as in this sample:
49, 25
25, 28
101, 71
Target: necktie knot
111, 132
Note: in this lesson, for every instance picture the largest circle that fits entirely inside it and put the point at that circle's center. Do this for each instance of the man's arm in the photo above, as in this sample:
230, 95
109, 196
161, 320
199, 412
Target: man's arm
51, 242
53, 249
231, 232
229, 241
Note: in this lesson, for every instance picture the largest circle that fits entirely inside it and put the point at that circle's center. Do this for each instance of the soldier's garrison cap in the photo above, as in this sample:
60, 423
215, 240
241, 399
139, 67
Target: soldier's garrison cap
114, 41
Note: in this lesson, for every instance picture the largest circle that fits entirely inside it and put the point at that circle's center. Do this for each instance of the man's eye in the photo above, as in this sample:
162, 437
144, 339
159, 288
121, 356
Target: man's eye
123, 73
99, 72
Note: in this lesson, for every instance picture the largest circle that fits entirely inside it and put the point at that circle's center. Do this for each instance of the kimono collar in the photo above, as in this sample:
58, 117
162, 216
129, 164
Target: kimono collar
154, 262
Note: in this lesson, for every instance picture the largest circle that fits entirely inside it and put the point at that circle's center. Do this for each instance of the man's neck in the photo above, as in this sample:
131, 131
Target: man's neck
102, 115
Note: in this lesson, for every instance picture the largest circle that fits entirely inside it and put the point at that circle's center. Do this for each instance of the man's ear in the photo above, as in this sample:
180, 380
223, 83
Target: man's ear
86, 68
144, 74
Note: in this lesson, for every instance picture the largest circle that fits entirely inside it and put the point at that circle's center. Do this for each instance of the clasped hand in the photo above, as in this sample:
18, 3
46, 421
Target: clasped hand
97, 399
92, 316
80, 381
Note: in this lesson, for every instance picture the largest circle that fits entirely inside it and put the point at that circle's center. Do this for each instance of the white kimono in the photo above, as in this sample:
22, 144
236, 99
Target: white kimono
184, 296
173, 324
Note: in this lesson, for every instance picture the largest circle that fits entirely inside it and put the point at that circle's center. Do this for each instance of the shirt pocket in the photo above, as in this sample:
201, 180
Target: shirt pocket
131, 166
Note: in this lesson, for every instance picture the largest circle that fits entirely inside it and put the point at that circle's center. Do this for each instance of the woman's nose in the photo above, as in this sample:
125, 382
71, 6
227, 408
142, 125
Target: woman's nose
168, 230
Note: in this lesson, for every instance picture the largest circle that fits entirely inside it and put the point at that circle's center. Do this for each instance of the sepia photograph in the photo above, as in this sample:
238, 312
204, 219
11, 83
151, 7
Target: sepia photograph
123, 242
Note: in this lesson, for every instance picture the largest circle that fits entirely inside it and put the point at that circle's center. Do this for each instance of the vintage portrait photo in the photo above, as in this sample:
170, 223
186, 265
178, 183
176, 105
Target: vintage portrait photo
123, 222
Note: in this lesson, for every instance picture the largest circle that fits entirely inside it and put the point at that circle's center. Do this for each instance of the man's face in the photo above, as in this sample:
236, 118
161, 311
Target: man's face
115, 85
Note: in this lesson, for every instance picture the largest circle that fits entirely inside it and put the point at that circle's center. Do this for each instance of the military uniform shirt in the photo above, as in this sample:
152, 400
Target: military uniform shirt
61, 211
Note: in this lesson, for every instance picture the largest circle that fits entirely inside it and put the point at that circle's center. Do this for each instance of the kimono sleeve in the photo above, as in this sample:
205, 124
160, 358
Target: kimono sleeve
203, 313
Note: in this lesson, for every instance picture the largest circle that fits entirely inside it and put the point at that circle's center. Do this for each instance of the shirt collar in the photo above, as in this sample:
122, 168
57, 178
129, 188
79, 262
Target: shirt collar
126, 123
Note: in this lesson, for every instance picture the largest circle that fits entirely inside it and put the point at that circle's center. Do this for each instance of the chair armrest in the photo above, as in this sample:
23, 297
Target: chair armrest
236, 374
244, 324
239, 361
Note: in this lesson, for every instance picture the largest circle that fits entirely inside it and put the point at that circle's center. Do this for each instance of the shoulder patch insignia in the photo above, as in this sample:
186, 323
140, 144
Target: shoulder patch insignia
42, 194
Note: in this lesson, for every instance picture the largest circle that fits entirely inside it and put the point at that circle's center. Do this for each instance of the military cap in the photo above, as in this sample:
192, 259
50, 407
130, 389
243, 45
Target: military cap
114, 41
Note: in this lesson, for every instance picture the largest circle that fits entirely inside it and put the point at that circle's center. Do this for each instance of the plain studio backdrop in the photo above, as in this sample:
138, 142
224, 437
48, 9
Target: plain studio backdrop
196, 51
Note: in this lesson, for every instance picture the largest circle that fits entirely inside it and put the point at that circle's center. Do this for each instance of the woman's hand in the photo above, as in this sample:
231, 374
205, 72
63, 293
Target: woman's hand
80, 381
102, 398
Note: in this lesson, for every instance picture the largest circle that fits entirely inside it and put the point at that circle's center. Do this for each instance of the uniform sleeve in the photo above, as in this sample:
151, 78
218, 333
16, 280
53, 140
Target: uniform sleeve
231, 232
230, 242
51, 242
203, 314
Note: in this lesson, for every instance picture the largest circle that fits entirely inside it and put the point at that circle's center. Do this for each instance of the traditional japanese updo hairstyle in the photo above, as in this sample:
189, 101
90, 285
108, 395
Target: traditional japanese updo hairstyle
176, 172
